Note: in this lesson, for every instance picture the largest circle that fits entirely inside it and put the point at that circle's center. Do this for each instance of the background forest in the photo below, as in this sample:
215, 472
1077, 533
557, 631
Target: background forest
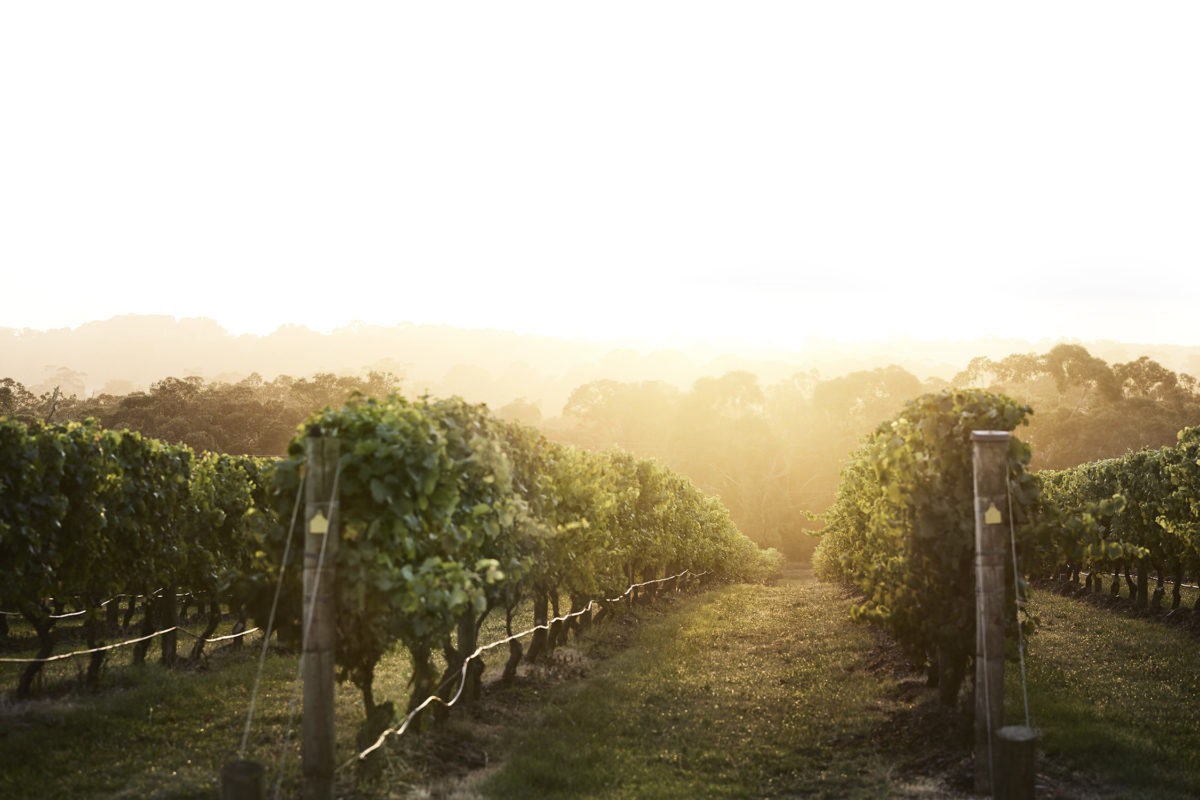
772, 450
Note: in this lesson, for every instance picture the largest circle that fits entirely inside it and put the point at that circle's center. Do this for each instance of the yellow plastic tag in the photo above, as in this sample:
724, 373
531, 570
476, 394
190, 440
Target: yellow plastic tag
992, 516
318, 524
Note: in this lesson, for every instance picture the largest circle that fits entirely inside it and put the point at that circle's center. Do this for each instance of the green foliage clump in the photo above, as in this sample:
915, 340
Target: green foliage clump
903, 526
448, 514
1139, 511
87, 513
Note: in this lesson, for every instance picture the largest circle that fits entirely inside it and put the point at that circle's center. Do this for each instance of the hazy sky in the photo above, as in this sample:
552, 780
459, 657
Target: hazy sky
676, 171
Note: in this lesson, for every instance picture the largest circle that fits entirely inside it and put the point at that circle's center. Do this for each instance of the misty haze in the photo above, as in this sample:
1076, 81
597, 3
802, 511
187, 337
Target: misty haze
626, 400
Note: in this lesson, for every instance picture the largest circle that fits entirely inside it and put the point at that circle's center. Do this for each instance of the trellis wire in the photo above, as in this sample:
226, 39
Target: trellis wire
123, 644
1012, 532
68, 615
399, 730
262, 656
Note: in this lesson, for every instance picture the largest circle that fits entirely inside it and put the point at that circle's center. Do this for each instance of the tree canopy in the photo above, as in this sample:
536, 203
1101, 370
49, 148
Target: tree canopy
1086, 409
247, 417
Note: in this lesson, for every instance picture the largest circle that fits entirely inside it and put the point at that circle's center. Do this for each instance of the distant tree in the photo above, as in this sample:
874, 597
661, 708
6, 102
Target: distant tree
249, 417
520, 410
69, 382
861, 399
733, 395
1086, 410
1149, 379
637, 416
15, 399
22, 404
1073, 367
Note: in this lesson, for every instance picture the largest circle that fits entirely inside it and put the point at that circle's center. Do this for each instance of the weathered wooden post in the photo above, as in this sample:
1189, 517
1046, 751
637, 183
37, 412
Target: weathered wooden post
1015, 773
320, 545
991, 495
243, 780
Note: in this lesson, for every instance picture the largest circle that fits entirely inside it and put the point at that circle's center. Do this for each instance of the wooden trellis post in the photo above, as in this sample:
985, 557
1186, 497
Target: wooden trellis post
1004, 764
243, 780
991, 523
320, 526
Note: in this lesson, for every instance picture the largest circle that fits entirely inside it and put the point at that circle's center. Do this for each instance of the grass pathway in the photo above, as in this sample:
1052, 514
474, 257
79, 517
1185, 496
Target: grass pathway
753, 695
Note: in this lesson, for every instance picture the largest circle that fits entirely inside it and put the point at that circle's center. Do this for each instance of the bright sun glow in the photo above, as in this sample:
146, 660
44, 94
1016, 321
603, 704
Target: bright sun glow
666, 171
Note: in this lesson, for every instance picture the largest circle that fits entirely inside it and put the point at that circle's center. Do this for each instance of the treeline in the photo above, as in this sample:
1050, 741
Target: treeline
772, 453
252, 416
1087, 409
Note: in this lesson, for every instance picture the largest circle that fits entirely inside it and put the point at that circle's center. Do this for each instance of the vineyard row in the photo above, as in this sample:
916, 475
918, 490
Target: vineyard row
446, 515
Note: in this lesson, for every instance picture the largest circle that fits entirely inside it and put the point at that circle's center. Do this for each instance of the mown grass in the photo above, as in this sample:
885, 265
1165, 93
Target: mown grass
1115, 697
745, 691
150, 732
